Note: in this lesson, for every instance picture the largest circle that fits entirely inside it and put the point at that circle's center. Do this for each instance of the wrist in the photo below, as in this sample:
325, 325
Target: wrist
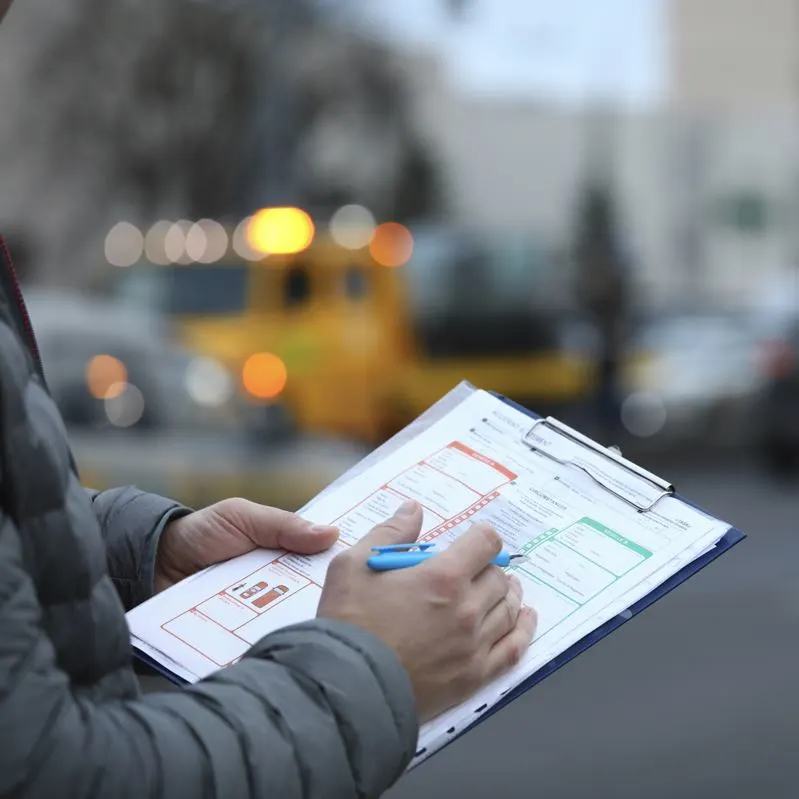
170, 558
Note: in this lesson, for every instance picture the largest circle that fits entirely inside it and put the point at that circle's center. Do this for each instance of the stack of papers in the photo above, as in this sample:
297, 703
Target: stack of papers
598, 537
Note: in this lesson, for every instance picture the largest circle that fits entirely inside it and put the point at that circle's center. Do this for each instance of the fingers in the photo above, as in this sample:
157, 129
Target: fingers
402, 528
472, 551
492, 586
503, 615
510, 649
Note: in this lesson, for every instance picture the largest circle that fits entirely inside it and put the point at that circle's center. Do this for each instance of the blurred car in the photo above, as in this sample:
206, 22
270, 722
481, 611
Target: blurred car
111, 367
777, 411
694, 376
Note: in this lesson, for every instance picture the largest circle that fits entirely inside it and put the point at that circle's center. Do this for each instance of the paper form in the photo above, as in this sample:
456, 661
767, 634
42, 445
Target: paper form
589, 555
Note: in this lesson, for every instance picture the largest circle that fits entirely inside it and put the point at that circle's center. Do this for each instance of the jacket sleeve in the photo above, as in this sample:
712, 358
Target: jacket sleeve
317, 710
131, 522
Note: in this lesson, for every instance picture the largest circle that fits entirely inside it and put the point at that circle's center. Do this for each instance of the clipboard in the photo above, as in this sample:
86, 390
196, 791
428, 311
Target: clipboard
732, 537
665, 489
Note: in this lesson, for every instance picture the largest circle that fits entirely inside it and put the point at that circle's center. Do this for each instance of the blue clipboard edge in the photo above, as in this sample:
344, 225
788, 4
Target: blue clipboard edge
150, 663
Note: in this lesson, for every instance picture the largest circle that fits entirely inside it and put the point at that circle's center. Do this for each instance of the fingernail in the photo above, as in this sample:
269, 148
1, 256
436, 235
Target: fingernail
515, 581
322, 528
408, 508
531, 616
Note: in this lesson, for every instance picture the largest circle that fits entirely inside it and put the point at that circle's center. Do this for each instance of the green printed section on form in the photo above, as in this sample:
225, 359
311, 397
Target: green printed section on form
644, 553
580, 561
534, 542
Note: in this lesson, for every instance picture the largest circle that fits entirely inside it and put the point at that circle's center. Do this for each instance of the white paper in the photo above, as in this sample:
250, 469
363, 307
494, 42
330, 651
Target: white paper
590, 555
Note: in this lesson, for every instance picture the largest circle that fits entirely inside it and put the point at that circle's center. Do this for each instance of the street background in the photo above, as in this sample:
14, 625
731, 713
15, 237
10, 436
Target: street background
257, 239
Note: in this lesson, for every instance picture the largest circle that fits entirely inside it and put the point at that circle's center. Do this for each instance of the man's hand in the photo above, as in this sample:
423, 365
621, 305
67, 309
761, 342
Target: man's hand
230, 528
455, 621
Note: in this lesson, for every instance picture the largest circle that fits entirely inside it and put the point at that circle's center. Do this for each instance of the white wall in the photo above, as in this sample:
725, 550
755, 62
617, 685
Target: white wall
733, 54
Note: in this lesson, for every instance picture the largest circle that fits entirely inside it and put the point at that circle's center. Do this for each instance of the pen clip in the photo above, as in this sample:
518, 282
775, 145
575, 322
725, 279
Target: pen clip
403, 548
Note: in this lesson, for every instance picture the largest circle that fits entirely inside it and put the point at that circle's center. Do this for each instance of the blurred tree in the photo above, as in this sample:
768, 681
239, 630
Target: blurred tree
457, 8
602, 272
148, 109
359, 142
603, 291
419, 193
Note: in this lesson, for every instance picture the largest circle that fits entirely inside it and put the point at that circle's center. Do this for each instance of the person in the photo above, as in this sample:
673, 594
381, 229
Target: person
327, 708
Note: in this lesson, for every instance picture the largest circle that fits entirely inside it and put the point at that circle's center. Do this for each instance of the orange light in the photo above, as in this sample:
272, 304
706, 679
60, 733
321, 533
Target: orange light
264, 375
280, 231
391, 244
106, 377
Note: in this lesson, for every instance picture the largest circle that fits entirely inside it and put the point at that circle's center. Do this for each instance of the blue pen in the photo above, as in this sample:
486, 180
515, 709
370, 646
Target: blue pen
401, 556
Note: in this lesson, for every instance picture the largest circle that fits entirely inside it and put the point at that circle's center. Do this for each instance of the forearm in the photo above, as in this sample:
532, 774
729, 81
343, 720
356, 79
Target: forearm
307, 716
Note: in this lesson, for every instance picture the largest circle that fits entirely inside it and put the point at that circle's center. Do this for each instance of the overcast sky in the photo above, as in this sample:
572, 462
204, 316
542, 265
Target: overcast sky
567, 49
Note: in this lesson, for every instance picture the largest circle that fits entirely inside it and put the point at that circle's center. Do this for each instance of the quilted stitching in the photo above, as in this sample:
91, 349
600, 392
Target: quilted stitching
61, 540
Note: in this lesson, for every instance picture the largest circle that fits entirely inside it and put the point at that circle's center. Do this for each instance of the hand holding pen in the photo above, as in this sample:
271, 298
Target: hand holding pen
455, 620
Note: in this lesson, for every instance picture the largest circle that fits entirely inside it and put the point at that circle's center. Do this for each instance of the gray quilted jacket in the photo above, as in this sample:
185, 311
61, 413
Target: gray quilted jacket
320, 709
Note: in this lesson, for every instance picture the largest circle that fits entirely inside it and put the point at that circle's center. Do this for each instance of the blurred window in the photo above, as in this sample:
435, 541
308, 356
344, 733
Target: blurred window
298, 285
207, 289
188, 290
498, 273
477, 295
355, 283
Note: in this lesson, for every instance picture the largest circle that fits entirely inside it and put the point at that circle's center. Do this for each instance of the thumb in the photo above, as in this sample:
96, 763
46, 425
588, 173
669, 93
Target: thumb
402, 528
275, 528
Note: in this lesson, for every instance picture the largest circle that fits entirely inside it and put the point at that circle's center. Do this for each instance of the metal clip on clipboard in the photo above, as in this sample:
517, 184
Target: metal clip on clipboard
666, 488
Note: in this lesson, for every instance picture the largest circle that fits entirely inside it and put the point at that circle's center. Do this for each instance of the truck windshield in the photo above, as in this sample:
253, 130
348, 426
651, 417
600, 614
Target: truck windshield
481, 296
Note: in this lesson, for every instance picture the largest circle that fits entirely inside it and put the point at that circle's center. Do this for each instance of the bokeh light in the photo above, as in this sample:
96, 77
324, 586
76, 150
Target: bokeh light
280, 231
155, 243
124, 245
352, 227
241, 243
206, 242
643, 414
264, 375
208, 382
391, 244
105, 375
124, 407
175, 242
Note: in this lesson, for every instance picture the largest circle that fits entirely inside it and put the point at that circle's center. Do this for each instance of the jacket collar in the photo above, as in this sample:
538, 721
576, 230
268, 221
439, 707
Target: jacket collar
16, 304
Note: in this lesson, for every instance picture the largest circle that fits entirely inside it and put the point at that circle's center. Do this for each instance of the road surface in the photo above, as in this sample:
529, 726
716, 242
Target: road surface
201, 469
696, 698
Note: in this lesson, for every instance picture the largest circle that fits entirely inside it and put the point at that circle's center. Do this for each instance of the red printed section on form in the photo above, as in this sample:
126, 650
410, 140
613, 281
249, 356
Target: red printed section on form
451, 486
227, 623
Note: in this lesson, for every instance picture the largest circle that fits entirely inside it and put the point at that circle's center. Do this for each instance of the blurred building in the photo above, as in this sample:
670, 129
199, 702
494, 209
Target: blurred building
734, 55
734, 91
707, 194
519, 165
